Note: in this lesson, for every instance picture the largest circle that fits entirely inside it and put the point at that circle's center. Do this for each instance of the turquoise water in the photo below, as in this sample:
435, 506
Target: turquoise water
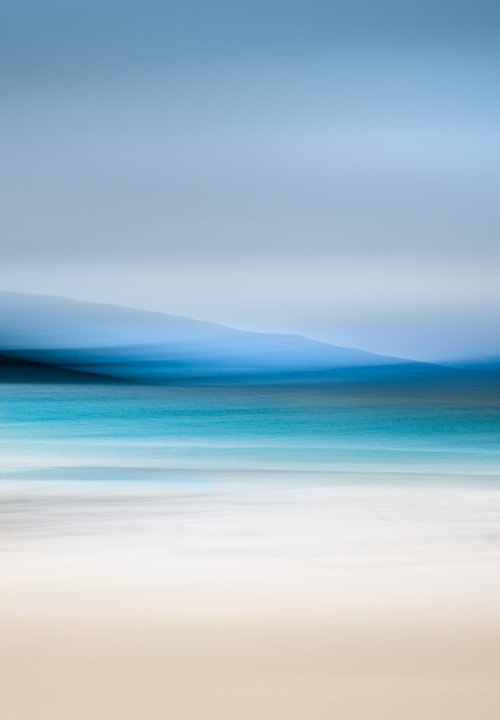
348, 434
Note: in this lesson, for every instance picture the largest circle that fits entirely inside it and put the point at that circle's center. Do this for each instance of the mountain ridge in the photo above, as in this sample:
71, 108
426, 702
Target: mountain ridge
133, 312
111, 341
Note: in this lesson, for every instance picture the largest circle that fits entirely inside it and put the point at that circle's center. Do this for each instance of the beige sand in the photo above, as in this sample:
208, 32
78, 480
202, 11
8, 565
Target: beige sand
106, 670
361, 604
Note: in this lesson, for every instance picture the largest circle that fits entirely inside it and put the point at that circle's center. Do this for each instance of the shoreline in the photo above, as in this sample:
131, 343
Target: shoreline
150, 601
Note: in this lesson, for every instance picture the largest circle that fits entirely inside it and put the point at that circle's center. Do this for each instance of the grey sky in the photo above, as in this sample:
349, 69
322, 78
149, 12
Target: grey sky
326, 168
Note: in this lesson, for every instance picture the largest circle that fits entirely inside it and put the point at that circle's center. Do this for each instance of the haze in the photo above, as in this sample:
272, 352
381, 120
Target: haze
325, 168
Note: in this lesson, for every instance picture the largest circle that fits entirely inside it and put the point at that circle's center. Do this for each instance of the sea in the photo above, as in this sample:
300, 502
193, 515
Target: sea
329, 434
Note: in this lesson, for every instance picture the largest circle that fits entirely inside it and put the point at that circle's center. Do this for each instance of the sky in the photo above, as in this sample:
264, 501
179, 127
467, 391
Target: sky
326, 168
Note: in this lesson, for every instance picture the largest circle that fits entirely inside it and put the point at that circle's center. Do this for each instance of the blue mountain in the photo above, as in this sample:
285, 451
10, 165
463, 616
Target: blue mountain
107, 341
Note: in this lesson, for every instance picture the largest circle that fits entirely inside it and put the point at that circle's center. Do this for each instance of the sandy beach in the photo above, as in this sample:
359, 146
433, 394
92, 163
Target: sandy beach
150, 668
156, 601
249, 360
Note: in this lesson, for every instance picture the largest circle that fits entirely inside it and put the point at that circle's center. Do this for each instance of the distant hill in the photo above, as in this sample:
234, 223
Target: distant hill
14, 370
61, 340
148, 346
